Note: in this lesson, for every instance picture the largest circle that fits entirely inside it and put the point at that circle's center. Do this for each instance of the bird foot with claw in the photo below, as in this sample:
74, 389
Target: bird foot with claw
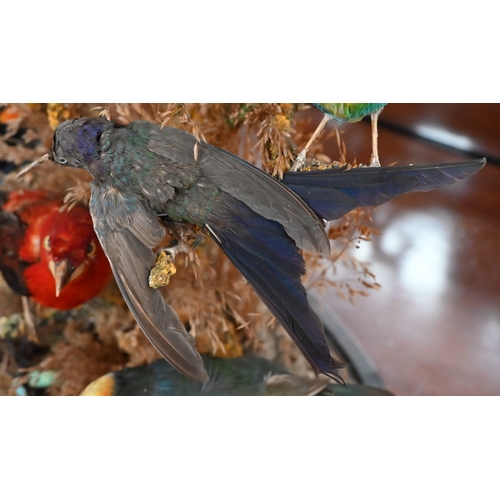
298, 163
181, 247
372, 164
186, 244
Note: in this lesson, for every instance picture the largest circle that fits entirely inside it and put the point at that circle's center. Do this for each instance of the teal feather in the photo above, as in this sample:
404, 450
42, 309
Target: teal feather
245, 376
351, 113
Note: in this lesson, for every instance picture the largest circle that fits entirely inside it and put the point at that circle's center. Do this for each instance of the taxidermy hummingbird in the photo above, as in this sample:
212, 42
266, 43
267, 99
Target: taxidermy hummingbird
344, 112
145, 176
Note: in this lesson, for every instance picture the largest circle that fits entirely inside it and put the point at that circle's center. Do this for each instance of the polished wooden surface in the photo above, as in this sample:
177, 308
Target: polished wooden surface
434, 327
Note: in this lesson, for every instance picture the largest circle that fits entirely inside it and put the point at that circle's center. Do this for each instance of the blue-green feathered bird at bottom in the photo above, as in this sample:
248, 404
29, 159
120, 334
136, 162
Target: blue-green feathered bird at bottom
245, 376
343, 112
145, 176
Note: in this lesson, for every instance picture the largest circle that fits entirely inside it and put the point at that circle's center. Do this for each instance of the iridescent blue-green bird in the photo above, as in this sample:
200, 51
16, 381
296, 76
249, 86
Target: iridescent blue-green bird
145, 176
245, 376
344, 112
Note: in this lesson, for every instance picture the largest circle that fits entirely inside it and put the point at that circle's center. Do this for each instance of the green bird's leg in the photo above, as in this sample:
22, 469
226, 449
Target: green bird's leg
301, 158
374, 160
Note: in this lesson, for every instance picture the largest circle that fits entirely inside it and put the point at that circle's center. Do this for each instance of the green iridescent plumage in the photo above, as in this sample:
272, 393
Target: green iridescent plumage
245, 376
351, 113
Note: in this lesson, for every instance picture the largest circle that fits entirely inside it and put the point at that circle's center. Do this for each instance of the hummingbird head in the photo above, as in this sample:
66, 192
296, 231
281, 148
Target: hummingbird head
77, 143
68, 245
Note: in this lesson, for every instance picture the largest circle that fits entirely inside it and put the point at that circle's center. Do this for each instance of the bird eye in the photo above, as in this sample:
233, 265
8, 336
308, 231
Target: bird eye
62, 160
91, 249
46, 243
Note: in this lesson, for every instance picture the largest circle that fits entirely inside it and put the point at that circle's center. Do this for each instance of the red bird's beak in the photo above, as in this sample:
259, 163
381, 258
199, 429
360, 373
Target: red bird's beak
63, 273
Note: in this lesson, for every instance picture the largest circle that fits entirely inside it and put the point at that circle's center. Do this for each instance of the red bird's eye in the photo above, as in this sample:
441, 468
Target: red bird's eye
46, 243
91, 249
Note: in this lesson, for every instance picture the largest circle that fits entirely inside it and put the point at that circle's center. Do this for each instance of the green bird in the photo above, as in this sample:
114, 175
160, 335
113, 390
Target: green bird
343, 112
245, 376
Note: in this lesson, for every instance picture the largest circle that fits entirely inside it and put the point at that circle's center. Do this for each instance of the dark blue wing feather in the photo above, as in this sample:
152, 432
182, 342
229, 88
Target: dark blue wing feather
268, 258
334, 192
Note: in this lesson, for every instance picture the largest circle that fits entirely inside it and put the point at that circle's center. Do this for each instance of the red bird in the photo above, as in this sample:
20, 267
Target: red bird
50, 255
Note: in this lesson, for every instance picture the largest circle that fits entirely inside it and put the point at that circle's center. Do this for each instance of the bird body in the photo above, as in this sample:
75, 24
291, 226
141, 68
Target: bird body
351, 113
146, 176
50, 255
344, 112
244, 376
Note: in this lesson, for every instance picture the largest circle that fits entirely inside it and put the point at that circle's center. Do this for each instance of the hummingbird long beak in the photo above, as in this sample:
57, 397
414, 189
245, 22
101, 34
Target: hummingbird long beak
63, 273
31, 166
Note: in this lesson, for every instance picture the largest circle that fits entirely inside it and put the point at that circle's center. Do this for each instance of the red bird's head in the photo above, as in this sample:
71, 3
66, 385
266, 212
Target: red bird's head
69, 246
60, 262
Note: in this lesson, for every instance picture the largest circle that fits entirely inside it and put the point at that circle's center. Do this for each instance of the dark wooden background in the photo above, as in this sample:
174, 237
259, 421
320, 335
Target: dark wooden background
434, 327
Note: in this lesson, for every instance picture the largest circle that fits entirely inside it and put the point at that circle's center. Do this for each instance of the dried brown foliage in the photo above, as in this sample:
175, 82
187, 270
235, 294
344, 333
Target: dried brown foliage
355, 278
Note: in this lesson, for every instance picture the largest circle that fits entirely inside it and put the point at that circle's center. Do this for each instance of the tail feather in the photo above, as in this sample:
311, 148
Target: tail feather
334, 192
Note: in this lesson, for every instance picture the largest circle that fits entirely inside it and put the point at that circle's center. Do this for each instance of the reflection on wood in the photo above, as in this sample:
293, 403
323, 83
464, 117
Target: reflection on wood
434, 328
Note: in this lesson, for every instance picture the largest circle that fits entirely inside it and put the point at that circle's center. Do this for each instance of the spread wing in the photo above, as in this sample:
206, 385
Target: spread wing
259, 191
131, 262
270, 261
